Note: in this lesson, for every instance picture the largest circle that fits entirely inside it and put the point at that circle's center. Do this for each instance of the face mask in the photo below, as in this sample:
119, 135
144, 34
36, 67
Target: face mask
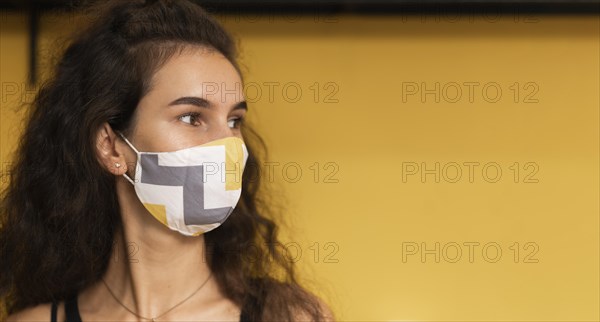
192, 190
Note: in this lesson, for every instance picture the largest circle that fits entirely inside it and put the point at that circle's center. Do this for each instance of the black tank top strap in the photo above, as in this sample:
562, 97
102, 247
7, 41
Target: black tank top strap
244, 316
72, 310
53, 312
253, 305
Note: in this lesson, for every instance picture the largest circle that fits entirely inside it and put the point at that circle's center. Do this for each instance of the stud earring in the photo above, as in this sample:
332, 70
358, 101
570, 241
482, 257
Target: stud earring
117, 164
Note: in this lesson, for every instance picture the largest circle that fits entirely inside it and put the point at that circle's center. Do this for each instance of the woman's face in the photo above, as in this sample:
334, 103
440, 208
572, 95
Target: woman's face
195, 97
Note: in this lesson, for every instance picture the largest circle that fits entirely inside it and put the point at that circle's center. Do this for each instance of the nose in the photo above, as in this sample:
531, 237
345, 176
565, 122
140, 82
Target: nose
221, 130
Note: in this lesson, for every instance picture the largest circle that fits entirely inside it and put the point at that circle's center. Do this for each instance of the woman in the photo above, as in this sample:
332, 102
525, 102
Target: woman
113, 212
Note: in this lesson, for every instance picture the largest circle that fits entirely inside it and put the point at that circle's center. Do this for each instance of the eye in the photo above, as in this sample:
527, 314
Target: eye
190, 118
235, 122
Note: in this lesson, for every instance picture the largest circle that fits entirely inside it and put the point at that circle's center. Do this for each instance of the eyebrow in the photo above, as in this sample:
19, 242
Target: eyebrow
201, 102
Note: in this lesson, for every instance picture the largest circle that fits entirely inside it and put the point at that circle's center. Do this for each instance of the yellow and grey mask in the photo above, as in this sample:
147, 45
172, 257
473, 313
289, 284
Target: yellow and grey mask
192, 190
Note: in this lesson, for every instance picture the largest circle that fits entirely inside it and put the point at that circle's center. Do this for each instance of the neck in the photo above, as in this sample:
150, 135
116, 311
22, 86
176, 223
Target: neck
153, 268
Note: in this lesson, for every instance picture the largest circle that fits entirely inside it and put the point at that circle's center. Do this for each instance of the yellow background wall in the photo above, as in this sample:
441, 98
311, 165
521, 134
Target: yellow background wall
363, 237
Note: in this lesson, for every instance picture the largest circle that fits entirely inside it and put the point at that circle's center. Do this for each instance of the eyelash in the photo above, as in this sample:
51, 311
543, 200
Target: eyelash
239, 120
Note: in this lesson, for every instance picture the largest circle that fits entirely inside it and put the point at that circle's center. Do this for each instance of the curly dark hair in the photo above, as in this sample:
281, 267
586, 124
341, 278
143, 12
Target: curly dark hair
60, 212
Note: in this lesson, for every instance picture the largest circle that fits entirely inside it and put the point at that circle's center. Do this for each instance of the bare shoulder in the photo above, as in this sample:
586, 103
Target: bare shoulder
327, 313
325, 309
36, 313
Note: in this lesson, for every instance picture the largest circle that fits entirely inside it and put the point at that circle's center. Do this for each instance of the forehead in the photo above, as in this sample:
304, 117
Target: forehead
194, 68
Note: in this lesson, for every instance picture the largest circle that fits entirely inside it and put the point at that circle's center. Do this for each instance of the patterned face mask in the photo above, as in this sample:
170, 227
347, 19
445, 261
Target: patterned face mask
191, 190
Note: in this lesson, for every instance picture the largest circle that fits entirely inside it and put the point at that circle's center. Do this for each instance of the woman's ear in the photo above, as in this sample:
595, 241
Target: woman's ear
109, 151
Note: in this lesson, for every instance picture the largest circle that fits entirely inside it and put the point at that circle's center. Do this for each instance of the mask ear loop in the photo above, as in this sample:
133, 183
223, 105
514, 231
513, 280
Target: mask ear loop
134, 149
